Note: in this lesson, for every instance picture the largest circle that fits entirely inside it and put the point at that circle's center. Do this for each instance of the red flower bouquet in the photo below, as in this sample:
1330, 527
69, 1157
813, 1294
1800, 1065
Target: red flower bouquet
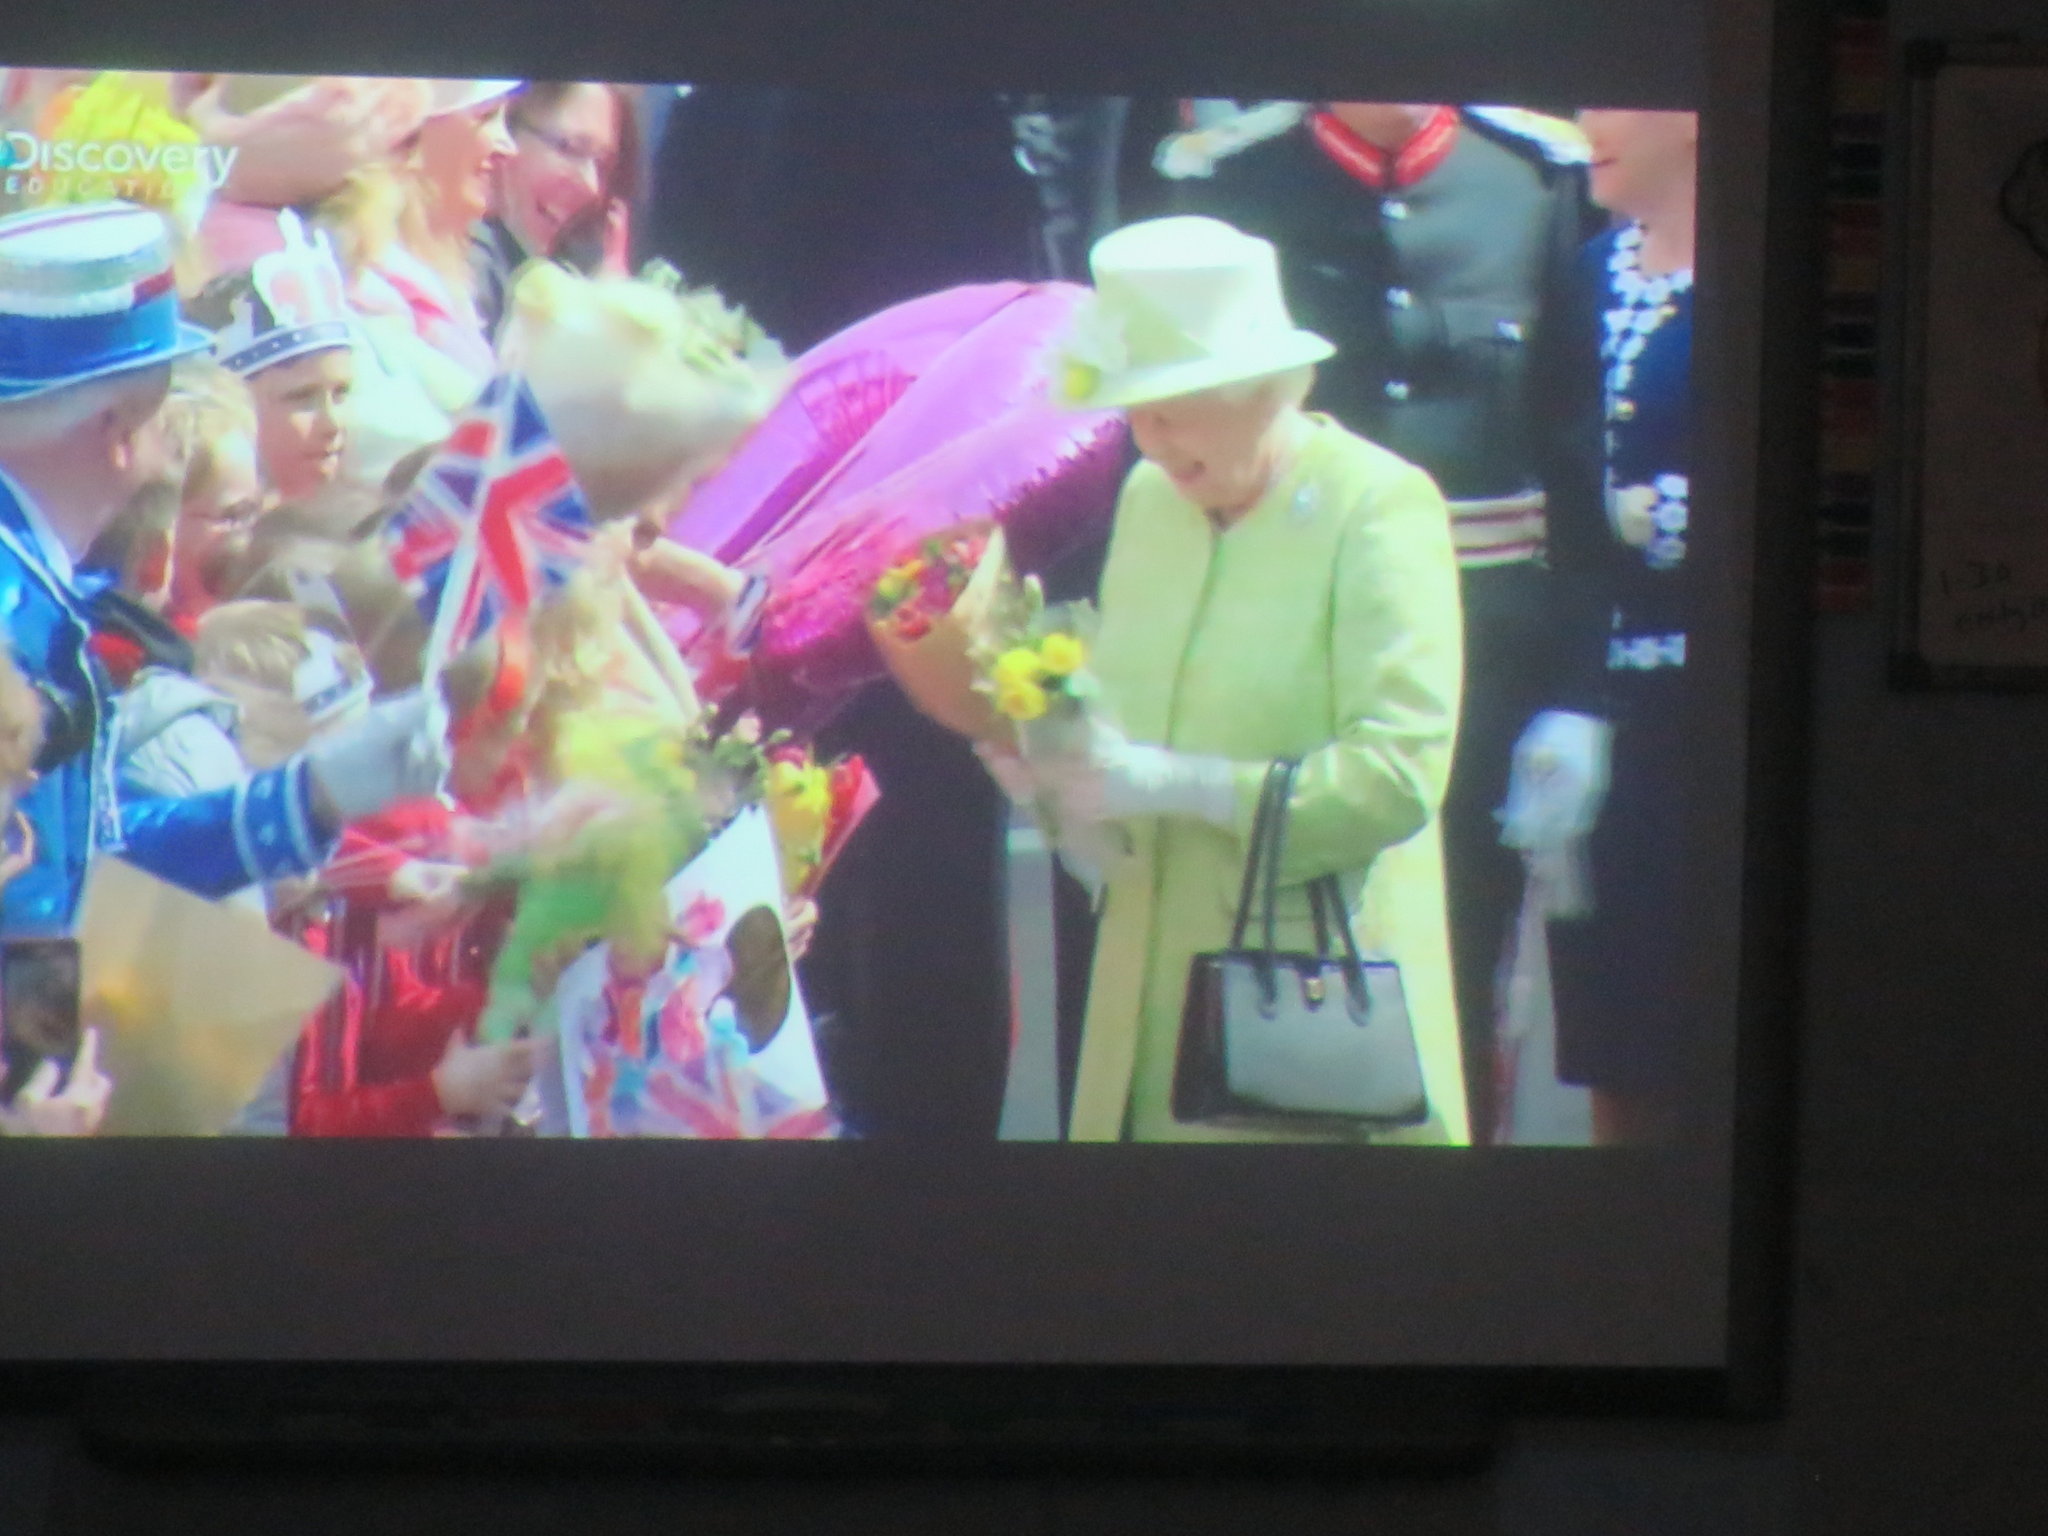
926, 617
813, 809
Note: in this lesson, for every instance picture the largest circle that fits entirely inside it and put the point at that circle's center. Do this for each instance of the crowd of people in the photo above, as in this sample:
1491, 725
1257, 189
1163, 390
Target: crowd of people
1421, 521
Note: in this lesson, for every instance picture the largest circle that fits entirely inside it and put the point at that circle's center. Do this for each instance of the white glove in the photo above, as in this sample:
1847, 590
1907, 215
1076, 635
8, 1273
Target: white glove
1012, 774
1122, 780
1558, 782
1081, 845
397, 751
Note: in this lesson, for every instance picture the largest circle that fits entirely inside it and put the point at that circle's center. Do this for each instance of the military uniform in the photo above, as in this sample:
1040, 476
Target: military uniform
1613, 971
1442, 272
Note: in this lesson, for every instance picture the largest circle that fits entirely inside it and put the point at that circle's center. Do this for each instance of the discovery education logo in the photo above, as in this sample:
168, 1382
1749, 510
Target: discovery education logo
31, 167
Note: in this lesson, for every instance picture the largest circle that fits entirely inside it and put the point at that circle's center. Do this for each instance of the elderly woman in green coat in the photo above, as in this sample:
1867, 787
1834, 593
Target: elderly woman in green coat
1275, 588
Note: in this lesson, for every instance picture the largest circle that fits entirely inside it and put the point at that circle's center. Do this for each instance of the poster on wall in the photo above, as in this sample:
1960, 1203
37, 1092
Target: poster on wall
1973, 444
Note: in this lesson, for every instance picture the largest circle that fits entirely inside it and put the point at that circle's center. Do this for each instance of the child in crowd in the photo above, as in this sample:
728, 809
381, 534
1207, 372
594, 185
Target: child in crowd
213, 417
389, 1055
289, 679
284, 327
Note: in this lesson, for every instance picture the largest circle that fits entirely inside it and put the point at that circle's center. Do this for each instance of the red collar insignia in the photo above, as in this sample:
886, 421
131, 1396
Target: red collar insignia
1375, 167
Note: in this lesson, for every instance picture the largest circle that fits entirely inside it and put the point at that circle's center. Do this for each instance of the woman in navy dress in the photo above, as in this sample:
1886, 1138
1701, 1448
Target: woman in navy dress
1624, 1029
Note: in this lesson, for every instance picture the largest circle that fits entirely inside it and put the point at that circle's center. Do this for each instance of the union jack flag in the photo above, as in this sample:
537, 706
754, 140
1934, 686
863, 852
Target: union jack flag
630, 1094
502, 473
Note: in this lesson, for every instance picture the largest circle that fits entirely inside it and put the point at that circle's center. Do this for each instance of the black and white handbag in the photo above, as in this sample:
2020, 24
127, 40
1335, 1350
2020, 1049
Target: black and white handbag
1295, 1040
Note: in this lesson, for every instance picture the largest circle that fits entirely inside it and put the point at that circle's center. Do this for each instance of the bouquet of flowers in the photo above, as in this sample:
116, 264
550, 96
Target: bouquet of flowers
1032, 666
929, 613
813, 808
634, 799
648, 386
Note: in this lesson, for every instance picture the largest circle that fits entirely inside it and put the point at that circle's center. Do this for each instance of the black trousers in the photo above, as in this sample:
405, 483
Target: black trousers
909, 970
1509, 641
1627, 1021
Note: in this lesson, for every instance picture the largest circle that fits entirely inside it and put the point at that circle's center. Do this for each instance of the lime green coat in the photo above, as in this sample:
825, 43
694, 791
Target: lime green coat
1323, 625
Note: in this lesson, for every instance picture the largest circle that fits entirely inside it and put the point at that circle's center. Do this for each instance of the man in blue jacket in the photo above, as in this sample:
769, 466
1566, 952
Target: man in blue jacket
89, 328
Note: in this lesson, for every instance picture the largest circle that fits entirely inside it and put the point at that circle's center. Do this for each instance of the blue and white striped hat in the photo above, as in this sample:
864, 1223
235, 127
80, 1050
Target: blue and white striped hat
87, 293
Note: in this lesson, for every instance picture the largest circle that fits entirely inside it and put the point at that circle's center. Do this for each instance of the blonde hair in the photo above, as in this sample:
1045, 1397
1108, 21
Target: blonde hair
21, 724
251, 650
391, 202
574, 635
206, 404
288, 552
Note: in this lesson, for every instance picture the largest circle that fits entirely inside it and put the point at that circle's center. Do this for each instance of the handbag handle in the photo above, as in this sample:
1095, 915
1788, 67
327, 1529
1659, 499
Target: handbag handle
1326, 906
1280, 788
1281, 775
1271, 810
1325, 896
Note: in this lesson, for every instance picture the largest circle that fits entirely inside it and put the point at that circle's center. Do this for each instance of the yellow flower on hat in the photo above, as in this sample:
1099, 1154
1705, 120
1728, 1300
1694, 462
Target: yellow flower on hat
1062, 655
1093, 347
1079, 381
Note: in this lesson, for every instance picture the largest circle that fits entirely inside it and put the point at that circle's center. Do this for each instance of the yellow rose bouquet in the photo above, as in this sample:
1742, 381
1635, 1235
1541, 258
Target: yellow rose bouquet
1032, 660
813, 808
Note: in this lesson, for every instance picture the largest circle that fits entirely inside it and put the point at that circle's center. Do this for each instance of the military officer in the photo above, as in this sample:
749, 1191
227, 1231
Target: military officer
1436, 246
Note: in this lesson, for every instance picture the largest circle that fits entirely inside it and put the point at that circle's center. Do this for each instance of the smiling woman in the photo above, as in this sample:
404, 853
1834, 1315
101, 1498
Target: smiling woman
1256, 541
565, 191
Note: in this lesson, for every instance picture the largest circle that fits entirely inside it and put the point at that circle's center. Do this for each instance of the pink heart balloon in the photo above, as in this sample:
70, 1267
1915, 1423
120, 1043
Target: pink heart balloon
841, 390
929, 415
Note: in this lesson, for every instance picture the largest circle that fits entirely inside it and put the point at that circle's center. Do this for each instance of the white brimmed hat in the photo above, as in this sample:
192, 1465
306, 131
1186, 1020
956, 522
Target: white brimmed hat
446, 96
87, 293
1180, 305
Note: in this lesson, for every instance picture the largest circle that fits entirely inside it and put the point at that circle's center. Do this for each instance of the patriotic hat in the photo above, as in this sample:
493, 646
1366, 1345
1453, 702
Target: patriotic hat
323, 687
297, 304
86, 293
